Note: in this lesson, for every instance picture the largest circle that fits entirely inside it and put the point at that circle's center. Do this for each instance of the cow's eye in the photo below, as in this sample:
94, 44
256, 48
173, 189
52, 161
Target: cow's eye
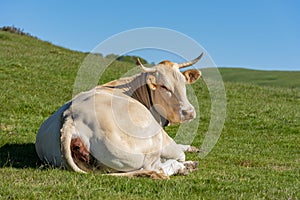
167, 91
164, 87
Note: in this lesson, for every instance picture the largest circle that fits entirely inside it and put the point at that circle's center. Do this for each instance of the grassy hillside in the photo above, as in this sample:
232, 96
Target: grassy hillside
256, 157
288, 79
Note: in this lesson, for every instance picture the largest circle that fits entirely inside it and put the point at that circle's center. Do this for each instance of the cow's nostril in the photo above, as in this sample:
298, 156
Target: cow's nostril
188, 114
184, 112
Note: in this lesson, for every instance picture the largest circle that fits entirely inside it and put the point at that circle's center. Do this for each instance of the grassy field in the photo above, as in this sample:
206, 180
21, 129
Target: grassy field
287, 79
256, 157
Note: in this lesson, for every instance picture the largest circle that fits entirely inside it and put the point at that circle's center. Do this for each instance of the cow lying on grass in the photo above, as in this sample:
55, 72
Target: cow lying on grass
117, 128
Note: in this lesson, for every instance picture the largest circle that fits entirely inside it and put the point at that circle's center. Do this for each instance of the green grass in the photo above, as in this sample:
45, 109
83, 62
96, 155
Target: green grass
288, 79
256, 157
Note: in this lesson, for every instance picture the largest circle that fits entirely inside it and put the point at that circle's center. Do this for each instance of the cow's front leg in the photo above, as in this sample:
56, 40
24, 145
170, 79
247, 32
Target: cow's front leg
188, 148
171, 150
172, 167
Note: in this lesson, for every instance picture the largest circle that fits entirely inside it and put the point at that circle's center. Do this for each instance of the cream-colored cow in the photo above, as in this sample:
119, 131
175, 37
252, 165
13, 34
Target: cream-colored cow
117, 128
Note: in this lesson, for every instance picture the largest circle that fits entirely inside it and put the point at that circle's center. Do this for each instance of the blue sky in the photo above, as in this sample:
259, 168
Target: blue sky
256, 34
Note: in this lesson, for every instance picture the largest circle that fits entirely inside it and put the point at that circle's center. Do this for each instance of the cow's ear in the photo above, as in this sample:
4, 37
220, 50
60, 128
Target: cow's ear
191, 75
151, 82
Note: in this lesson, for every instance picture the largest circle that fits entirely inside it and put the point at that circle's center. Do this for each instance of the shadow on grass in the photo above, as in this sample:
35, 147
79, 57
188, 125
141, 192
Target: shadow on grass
19, 156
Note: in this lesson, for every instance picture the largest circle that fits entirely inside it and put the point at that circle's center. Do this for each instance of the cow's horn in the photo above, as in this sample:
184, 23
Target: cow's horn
144, 69
187, 64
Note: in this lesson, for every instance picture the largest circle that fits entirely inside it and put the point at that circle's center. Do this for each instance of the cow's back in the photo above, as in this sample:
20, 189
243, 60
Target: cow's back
48, 138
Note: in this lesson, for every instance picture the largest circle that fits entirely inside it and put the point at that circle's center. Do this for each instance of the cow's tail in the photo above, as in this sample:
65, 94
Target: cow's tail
67, 130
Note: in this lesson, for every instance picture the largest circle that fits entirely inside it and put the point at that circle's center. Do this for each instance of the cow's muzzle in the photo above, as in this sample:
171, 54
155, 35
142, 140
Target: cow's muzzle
188, 114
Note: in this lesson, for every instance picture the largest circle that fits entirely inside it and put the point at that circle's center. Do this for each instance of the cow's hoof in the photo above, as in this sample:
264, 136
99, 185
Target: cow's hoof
191, 166
193, 149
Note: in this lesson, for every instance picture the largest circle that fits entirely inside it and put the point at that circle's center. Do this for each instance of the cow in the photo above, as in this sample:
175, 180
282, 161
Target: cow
118, 128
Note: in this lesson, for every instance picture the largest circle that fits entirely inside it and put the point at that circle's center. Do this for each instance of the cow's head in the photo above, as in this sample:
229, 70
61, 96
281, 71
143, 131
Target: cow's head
168, 91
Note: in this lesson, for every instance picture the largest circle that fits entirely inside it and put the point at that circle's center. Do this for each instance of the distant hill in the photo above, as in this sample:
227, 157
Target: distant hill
290, 79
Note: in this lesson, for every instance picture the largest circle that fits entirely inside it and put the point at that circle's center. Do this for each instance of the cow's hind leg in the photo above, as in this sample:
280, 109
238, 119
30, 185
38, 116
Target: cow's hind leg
168, 168
142, 173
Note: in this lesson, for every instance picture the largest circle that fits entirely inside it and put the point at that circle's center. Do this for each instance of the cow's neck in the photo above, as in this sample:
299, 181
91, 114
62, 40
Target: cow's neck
137, 88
